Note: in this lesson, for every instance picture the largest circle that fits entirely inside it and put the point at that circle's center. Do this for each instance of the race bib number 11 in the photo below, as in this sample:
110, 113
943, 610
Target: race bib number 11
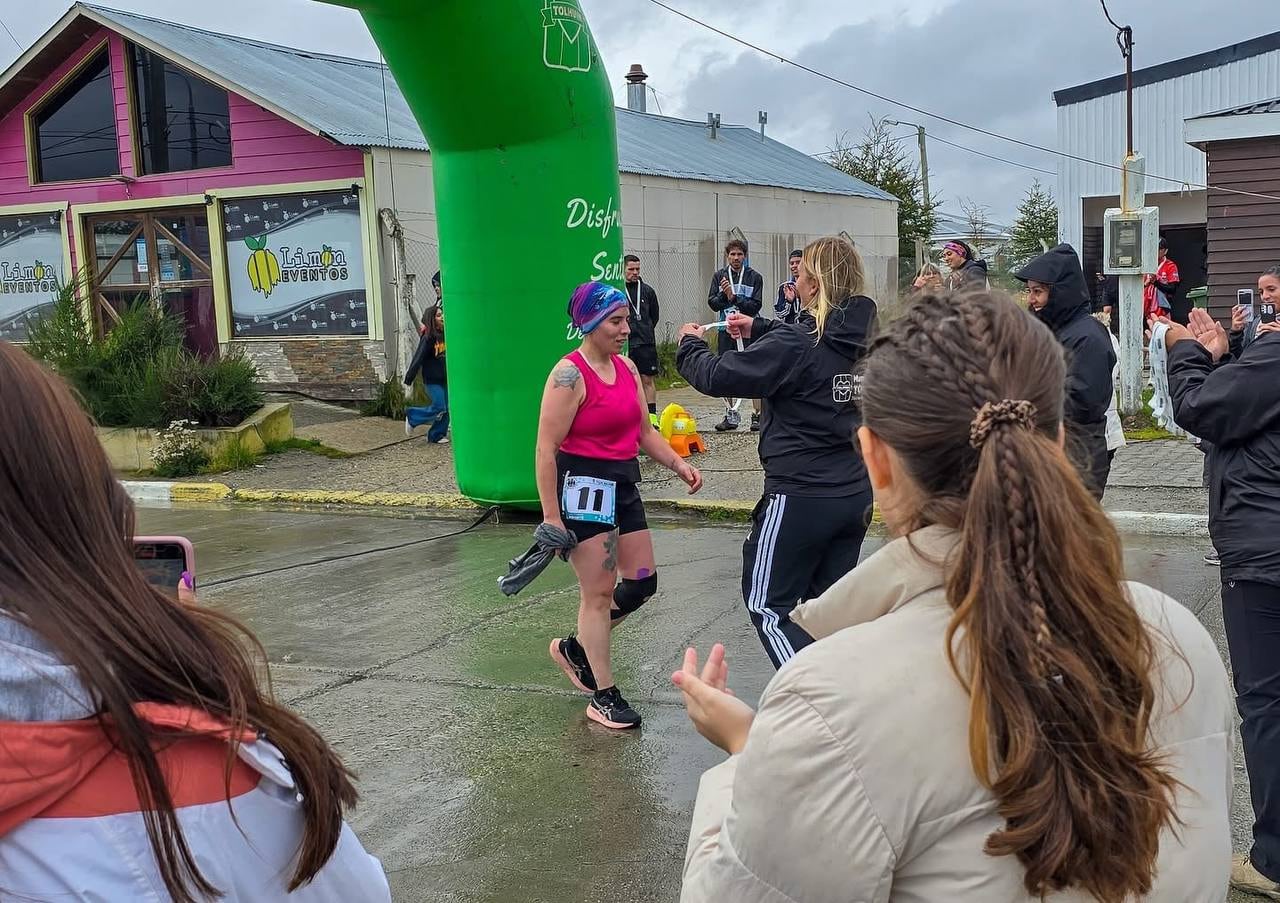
589, 499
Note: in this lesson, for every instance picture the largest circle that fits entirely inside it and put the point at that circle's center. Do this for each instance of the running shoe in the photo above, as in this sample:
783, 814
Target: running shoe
572, 659
607, 707
1246, 877
653, 418
755, 423
1213, 560
731, 422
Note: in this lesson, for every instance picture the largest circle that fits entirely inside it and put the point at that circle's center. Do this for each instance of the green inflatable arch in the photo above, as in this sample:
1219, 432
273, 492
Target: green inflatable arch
516, 106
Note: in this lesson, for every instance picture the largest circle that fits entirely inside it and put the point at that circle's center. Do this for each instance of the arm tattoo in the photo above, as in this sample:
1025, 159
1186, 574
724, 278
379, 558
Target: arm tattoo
566, 376
611, 551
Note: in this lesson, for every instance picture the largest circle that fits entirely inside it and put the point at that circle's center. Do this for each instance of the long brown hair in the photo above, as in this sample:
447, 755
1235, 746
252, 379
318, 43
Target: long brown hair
67, 571
967, 390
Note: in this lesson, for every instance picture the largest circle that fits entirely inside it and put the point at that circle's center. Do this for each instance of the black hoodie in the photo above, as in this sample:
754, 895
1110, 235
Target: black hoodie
972, 276
806, 433
1090, 356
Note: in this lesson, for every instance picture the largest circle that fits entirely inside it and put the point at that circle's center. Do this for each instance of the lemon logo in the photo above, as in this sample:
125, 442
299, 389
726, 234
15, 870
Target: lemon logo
264, 269
39, 271
326, 256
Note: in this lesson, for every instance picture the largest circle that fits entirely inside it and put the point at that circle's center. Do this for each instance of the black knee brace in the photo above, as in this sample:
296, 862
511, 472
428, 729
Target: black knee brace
631, 594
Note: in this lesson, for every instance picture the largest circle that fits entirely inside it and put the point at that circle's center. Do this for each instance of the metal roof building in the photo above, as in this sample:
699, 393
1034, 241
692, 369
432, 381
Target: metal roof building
358, 103
283, 131
1091, 125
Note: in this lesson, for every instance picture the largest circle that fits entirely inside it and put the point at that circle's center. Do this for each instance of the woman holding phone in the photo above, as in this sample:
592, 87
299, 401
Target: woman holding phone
807, 530
134, 730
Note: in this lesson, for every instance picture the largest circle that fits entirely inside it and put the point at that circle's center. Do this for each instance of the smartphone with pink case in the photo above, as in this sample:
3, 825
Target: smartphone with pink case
166, 561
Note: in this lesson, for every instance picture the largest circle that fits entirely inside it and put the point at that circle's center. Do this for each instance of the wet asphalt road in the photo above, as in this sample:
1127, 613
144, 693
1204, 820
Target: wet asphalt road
481, 778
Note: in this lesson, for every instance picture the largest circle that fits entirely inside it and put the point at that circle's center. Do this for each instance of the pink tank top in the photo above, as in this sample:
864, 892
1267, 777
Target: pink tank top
607, 425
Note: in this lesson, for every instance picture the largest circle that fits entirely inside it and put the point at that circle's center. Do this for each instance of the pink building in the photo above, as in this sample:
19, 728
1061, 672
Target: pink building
148, 159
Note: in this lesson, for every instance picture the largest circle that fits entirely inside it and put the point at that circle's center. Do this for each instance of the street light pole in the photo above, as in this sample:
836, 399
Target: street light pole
924, 169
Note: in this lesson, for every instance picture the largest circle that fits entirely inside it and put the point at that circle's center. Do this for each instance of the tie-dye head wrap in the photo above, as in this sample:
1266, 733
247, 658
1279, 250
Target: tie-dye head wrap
592, 303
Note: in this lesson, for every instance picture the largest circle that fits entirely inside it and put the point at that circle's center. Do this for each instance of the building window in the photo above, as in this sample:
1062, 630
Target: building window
75, 129
182, 120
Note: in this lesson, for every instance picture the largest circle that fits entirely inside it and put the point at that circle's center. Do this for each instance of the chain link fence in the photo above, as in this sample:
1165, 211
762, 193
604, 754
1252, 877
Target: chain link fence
679, 269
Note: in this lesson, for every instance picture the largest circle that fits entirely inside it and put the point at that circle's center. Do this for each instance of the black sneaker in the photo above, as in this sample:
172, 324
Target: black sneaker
572, 659
730, 422
607, 707
755, 423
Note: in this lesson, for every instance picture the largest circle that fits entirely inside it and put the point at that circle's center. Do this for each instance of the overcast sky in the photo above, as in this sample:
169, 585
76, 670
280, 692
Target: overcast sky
993, 63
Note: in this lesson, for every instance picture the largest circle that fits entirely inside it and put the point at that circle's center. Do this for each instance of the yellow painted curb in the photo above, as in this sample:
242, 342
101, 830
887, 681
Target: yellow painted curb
199, 492
352, 497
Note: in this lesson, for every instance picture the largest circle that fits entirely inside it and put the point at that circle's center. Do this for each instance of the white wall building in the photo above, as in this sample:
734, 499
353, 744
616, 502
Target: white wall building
1091, 125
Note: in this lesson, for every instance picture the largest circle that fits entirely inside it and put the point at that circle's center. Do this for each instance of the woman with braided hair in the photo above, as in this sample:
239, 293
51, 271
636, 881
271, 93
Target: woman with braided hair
990, 713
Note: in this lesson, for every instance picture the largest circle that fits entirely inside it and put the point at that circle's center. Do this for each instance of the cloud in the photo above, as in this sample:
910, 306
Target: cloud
994, 64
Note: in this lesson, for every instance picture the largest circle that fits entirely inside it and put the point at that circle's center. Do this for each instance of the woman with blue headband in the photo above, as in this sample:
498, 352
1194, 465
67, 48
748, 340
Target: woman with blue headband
593, 423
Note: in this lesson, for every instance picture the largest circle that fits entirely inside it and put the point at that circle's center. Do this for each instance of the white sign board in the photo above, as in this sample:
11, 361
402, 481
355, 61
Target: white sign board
296, 265
30, 270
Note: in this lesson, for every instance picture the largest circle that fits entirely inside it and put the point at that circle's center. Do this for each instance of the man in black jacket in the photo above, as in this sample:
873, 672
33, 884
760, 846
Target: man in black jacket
1060, 299
642, 346
736, 286
1233, 403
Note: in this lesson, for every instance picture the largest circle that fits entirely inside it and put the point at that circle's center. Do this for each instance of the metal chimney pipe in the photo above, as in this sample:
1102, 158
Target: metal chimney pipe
713, 123
636, 89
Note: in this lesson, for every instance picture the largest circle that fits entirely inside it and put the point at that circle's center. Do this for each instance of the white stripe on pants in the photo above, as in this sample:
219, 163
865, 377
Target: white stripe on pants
769, 526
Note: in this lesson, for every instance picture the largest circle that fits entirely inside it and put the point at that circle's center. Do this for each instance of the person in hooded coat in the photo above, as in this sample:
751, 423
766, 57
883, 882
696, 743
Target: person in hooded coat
1059, 298
967, 271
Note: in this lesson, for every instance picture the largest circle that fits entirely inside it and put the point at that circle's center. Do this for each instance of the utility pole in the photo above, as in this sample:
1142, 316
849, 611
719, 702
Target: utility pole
924, 179
924, 156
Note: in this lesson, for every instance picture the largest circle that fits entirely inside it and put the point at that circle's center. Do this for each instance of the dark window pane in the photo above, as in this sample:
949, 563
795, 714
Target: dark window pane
183, 121
75, 129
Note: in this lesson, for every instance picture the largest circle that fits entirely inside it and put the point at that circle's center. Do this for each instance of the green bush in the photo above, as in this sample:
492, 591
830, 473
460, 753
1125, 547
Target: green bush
390, 401
140, 373
178, 452
233, 456
668, 377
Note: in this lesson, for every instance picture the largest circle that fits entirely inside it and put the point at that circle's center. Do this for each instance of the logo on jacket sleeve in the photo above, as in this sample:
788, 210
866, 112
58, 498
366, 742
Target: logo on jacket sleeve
842, 388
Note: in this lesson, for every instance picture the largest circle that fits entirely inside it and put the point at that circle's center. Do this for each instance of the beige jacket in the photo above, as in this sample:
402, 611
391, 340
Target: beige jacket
855, 784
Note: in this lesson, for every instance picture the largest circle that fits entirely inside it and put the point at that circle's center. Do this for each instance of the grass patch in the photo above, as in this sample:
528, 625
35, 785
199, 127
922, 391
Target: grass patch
390, 401
233, 456
668, 377
314, 446
1142, 426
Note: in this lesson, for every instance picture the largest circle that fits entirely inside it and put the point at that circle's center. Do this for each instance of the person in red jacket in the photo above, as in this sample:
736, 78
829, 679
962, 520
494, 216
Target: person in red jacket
1160, 287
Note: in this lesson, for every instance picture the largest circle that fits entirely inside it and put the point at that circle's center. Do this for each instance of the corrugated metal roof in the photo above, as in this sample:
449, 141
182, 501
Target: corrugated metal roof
343, 98
1210, 59
340, 97
1262, 106
680, 149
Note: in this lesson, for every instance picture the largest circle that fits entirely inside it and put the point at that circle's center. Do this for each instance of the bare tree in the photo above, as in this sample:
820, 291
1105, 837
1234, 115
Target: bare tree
977, 219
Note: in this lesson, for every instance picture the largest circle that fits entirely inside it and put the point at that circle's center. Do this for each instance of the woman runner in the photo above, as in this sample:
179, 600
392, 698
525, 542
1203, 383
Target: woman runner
593, 422
807, 530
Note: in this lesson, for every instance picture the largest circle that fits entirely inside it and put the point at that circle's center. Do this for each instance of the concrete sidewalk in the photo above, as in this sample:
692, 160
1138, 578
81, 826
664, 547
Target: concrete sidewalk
1156, 481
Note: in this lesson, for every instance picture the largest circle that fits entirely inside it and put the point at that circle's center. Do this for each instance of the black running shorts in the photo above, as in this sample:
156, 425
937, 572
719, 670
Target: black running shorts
645, 357
598, 497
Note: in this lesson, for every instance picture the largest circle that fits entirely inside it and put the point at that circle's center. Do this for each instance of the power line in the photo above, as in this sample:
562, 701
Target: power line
938, 116
11, 37
1047, 172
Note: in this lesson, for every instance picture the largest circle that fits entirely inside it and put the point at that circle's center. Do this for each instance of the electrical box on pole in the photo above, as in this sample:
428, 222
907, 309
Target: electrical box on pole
1130, 243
